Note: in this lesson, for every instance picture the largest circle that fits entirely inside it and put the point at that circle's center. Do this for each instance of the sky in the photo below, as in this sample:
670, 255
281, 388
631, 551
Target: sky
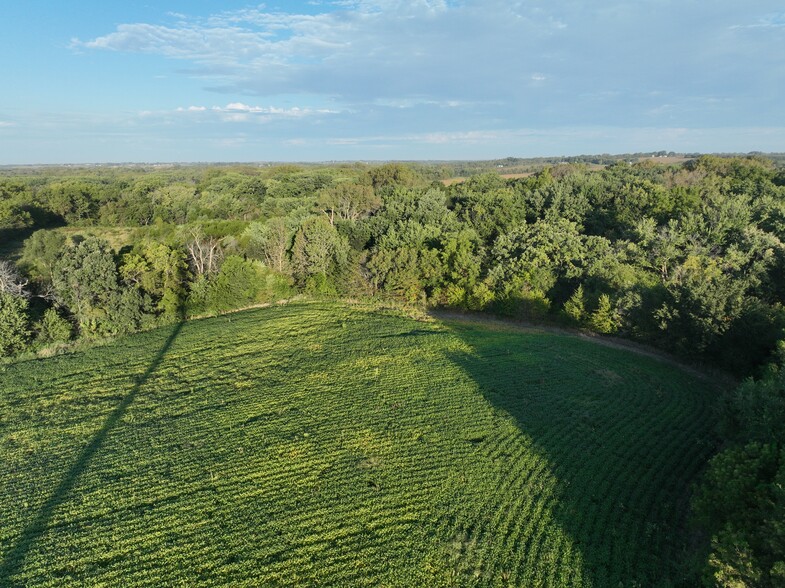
207, 81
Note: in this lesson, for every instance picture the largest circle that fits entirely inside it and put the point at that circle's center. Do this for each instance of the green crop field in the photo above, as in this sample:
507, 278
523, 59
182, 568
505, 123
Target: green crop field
327, 444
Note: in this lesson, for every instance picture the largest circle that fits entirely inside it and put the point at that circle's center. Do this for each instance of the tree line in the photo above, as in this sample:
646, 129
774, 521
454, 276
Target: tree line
686, 257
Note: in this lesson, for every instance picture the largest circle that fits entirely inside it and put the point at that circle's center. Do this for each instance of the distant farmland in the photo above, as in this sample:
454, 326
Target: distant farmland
324, 444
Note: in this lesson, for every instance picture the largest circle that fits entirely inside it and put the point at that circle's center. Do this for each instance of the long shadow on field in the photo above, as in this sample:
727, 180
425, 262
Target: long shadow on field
623, 437
16, 555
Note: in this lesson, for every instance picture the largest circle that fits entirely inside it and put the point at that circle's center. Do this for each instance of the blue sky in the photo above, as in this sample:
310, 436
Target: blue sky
323, 80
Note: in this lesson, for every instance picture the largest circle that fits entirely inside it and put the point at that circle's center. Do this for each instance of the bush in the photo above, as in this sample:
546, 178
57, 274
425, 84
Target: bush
526, 304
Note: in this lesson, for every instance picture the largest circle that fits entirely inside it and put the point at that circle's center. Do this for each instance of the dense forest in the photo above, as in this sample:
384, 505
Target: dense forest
687, 257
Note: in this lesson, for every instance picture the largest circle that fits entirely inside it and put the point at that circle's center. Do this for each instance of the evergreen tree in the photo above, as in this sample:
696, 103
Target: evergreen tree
14, 324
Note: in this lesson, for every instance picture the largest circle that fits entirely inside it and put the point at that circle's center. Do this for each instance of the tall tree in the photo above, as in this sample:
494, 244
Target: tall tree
270, 242
85, 280
14, 324
348, 201
317, 247
205, 253
10, 280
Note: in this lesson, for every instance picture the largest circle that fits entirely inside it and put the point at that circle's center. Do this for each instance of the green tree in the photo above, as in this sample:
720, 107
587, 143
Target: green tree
462, 265
72, 199
704, 298
15, 197
604, 319
389, 176
491, 212
575, 307
741, 503
85, 280
317, 249
270, 242
237, 284
533, 257
347, 201
52, 328
159, 271
14, 324
40, 252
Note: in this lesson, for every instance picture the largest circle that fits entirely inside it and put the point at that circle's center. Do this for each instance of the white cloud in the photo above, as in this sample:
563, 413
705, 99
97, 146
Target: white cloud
571, 141
770, 21
239, 112
440, 73
394, 49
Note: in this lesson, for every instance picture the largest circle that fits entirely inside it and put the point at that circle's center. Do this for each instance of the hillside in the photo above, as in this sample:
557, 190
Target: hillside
325, 444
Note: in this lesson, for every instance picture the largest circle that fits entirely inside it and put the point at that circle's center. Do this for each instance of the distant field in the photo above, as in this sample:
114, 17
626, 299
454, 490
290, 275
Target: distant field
322, 444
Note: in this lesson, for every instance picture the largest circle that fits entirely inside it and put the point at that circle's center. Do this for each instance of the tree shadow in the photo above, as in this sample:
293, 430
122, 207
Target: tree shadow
623, 437
15, 557
12, 238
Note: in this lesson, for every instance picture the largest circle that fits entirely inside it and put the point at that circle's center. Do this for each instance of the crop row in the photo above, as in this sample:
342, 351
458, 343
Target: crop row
320, 444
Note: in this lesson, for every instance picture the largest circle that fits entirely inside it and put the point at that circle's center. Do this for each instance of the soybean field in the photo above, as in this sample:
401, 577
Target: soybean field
327, 444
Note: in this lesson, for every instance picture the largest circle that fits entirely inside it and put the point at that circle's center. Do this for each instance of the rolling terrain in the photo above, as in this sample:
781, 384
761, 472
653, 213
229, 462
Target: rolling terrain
327, 444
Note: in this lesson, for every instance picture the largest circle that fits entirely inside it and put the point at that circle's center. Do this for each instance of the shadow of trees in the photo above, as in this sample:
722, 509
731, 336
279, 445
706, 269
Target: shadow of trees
623, 436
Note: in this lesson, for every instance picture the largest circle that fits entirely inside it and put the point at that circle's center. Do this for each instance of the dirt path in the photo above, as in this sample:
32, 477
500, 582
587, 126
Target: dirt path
710, 375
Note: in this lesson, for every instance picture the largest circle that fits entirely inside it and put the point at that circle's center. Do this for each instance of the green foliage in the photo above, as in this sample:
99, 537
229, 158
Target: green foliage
317, 249
741, 503
704, 300
130, 311
604, 319
462, 263
389, 176
41, 251
536, 256
575, 307
348, 201
237, 284
196, 299
740, 500
160, 272
73, 200
690, 254
15, 197
524, 304
270, 243
52, 328
86, 281
14, 324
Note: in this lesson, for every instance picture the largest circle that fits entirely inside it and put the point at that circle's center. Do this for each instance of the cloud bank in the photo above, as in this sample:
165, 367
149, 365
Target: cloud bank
564, 62
379, 79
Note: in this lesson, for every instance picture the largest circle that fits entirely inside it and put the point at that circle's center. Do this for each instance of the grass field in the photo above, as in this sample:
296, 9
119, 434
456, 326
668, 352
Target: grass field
323, 444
